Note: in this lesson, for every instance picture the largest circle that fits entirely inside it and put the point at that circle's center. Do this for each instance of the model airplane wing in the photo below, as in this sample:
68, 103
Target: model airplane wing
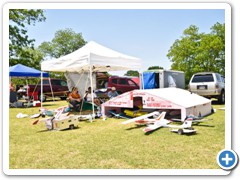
151, 127
157, 124
186, 124
141, 117
201, 120
120, 115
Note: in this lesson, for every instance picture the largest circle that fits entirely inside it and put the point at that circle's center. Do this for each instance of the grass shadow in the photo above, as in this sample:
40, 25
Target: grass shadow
52, 130
135, 127
204, 125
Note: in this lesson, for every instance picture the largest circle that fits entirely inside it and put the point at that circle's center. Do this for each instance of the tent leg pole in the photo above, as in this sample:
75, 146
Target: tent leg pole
49, 79
41, 99
91, 81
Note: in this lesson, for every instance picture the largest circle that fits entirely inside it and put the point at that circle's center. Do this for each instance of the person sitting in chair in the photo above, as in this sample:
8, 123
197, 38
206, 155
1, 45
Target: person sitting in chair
113, 93
88, 97
75, 99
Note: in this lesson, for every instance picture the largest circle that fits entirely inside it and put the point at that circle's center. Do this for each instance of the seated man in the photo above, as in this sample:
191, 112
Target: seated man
113, 93
75, 99
88, 97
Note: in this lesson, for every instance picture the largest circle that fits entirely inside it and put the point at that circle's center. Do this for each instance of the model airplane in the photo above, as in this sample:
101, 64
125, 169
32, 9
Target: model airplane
160, 121
195, 119
186, 127
61, 120
143, 120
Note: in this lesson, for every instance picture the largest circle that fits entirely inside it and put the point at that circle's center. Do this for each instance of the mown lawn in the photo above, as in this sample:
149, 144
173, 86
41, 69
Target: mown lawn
111, 145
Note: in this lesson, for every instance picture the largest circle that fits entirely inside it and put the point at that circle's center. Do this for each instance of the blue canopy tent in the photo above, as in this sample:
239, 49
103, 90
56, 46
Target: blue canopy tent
21, 71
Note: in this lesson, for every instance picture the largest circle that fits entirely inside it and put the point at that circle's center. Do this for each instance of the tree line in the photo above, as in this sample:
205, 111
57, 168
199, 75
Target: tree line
193, 52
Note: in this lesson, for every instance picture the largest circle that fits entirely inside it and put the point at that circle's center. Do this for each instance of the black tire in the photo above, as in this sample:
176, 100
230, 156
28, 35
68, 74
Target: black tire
180, 131
71, 126
221, 97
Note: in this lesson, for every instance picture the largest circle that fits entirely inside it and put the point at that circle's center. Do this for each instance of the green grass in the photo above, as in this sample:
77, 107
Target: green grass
111, 145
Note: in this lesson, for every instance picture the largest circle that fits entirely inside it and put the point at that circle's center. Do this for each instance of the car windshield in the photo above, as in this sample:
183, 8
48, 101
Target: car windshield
203, 78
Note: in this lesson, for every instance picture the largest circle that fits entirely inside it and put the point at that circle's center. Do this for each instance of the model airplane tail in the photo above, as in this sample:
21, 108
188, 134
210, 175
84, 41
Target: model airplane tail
187, 123
161, 116
142, 117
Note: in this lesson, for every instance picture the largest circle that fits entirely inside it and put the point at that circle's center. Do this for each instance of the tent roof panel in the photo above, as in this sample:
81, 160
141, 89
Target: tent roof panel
178, 96
102, 58
20, 70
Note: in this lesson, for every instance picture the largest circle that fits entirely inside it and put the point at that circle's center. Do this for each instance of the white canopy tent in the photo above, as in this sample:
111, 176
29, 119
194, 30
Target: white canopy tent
91, 58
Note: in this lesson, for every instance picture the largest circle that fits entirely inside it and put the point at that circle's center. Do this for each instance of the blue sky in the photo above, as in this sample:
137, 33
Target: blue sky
144, 33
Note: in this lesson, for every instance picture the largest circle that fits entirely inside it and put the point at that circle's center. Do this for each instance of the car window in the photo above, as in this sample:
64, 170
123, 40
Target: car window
123, 81
219, 79
63, 83
203, 78
131, 83
114, 81
223, 79
45, 81
55, 82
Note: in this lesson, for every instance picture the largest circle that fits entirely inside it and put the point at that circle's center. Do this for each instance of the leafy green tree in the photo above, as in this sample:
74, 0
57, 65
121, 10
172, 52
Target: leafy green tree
196, 52
131, 73
18, 38
64, 42
155, 67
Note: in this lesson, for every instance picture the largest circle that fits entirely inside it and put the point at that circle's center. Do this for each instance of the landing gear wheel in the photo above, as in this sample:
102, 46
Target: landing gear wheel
71, 126
180, 131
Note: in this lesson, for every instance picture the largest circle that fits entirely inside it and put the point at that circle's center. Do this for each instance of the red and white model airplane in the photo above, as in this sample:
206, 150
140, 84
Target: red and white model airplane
160, 121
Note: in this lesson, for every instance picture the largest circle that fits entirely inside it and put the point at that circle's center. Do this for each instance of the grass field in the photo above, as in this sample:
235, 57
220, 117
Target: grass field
111, 145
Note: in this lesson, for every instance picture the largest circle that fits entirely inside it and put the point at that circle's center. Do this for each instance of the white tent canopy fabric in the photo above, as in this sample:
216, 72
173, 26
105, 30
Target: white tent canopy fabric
77, 79
95, 55
91, 58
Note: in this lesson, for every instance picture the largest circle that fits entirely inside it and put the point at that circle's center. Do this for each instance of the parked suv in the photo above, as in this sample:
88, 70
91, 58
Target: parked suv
208, 84
122, 84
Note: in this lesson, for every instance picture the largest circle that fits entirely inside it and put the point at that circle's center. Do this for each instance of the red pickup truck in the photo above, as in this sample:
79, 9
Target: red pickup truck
59, 89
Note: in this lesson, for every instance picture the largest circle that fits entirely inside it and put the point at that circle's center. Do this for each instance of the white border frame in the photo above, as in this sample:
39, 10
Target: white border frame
8, 6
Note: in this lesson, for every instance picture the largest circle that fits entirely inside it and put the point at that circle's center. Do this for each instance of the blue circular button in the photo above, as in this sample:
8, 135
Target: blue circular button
227, 159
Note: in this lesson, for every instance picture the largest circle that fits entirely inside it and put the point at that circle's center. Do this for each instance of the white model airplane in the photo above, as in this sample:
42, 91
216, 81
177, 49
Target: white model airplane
158, 123
143, 120
186, 127
60, 120
195, 119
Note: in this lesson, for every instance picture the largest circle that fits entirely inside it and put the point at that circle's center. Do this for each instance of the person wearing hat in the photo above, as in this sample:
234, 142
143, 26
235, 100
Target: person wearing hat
113, 93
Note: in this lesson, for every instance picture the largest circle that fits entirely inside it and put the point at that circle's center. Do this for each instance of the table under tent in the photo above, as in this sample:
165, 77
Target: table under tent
81, 65
25, 72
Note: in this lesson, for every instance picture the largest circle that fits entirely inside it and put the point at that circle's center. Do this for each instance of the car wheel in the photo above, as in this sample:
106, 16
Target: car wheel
221, 98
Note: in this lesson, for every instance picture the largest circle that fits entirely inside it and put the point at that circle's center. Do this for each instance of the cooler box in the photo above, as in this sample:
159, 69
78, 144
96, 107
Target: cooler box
37, 103
34, 95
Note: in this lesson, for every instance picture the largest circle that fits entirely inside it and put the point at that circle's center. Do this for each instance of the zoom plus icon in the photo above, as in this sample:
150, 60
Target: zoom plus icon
227, 159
